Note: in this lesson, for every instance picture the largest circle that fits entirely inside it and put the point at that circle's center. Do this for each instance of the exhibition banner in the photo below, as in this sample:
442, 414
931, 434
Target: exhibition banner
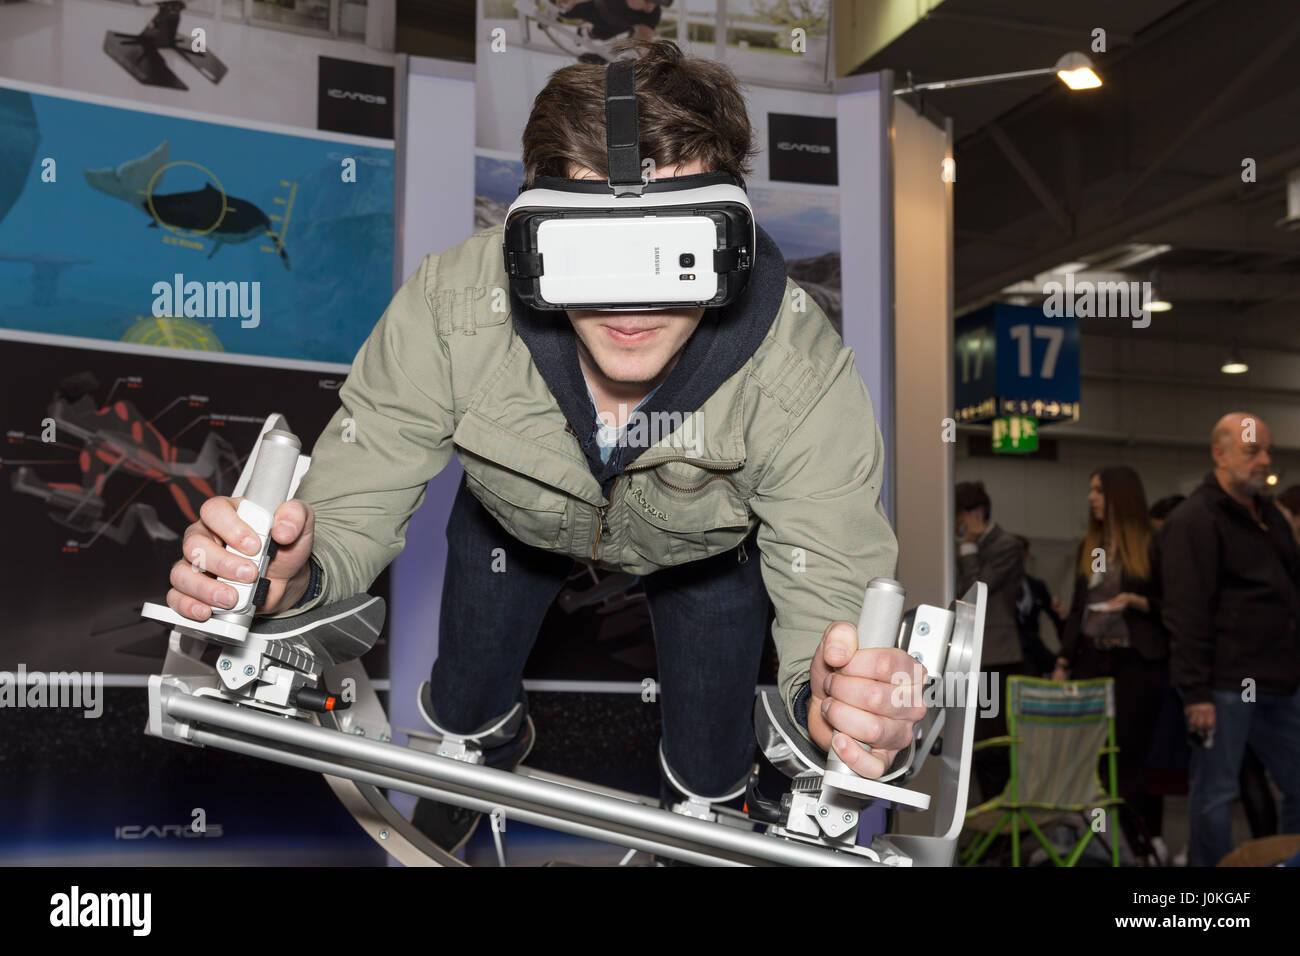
156, 229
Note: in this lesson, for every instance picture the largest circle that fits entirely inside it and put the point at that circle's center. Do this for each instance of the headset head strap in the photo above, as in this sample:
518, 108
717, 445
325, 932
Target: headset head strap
622, 139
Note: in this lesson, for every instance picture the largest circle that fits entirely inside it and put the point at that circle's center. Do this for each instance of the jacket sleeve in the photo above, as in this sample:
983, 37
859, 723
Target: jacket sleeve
1074, 617
822, 530
1189, 571
1000, 567
390, 435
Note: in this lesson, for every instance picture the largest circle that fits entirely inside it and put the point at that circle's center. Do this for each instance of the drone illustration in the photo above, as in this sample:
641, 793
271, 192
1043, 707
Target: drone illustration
117, 440
138, 53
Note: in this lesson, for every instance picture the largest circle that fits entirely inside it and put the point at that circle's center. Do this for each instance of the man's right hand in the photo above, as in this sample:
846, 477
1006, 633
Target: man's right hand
1200, 717
194, 593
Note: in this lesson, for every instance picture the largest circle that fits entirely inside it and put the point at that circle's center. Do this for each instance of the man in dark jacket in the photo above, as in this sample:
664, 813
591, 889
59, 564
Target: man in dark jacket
1231, 573
991, 554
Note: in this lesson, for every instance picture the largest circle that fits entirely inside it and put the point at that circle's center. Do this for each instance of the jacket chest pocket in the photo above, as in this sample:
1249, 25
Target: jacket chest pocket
531, 511
680, 512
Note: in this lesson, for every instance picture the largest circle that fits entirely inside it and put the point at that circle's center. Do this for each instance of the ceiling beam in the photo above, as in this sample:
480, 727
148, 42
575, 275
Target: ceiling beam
1124, 230
1031, 178
1257, 64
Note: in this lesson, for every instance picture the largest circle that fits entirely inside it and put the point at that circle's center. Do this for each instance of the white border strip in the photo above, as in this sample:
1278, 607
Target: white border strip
214, 118
162, 351
602, 686
142, 680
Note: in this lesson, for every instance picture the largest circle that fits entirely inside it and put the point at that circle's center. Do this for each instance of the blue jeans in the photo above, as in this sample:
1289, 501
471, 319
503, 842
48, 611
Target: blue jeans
709, 619
1271, 725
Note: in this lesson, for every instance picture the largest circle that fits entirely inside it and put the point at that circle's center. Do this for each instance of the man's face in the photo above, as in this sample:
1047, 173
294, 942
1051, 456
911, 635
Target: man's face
645, 6
1246, 464
634, 348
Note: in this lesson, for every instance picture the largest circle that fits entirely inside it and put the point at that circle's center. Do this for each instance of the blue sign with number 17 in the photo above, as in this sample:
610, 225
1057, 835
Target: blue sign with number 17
1012, 359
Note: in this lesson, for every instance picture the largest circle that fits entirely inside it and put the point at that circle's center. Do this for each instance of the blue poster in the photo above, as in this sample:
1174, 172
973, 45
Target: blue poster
140, 227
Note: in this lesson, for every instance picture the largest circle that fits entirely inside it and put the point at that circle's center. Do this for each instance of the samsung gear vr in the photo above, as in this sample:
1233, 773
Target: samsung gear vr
629, 243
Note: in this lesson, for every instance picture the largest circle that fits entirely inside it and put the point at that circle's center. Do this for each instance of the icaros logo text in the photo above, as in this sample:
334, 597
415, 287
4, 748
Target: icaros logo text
803, 147
357, 95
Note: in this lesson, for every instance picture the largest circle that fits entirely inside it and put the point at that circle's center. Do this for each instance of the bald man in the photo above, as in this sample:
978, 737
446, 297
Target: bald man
1231, 571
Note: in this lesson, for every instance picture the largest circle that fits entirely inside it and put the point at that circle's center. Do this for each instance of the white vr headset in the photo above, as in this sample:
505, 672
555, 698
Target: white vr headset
629, 243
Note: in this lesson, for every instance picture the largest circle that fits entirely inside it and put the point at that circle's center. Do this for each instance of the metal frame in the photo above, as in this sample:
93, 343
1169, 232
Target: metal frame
254, 708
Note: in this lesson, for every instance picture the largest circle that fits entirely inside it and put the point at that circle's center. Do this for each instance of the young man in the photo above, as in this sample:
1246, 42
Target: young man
776, 452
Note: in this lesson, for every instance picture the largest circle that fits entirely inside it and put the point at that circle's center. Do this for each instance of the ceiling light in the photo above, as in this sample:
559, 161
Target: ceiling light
1074, 69
1076, 72
1155, 302
1233, 364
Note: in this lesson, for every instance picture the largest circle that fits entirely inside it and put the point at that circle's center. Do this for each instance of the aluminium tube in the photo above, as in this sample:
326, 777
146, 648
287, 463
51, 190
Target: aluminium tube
509, 789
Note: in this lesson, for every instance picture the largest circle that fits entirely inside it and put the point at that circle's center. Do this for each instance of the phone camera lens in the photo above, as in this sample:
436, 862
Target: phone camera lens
686, 260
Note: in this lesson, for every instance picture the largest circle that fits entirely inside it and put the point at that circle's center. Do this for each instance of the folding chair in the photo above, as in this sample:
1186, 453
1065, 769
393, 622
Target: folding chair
1057, 733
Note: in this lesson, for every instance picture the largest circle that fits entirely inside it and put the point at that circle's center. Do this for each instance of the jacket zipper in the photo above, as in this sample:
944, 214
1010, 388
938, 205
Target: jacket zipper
602, 526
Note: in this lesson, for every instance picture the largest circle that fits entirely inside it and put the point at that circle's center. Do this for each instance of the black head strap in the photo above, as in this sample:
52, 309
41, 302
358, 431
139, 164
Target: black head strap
622, 141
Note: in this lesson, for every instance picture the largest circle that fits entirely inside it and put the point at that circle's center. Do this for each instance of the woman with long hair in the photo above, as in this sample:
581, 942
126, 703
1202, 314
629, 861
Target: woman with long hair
1113, 630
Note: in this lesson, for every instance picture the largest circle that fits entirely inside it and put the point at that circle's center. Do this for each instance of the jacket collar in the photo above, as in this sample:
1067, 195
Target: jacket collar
1224, 500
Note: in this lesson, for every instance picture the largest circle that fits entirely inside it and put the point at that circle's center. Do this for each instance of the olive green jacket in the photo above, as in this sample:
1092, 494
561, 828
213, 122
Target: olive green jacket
789, 443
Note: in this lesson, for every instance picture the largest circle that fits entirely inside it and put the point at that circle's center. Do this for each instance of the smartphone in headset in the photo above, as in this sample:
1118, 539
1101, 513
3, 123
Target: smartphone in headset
636, 259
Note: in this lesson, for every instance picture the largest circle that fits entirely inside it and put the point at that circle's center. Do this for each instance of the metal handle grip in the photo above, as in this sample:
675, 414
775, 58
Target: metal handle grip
878, 626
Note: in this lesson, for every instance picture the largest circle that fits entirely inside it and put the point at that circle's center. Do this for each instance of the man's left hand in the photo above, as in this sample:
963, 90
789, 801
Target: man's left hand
871, 695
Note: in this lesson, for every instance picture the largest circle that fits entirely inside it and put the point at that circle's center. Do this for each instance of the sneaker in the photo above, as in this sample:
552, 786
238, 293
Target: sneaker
450, 826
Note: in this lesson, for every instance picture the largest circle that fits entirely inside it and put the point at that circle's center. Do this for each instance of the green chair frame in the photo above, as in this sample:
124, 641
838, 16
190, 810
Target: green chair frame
1019, 813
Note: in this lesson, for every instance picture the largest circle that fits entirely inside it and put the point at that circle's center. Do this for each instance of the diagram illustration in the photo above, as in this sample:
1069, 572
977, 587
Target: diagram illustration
113, 443
200, 214
138, 53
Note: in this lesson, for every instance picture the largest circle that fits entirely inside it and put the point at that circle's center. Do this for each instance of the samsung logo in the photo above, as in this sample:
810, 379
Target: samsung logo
803, 147
354, 95
656, 260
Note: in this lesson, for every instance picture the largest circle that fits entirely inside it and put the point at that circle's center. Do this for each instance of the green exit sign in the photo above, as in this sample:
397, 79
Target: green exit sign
1015, 435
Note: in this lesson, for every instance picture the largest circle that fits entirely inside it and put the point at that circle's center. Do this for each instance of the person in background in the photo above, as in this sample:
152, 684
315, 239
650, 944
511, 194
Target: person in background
1288, 502
1033, 601
1113, 630
610, 18
1231, 571
1169, 745
1167, 758
988, 553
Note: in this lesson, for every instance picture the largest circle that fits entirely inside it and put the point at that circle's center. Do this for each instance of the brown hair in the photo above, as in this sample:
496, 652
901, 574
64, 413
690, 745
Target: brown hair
687, 108
1126, 523
970, 495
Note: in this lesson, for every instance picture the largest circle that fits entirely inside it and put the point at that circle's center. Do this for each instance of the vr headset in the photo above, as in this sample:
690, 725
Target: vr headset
629, 243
